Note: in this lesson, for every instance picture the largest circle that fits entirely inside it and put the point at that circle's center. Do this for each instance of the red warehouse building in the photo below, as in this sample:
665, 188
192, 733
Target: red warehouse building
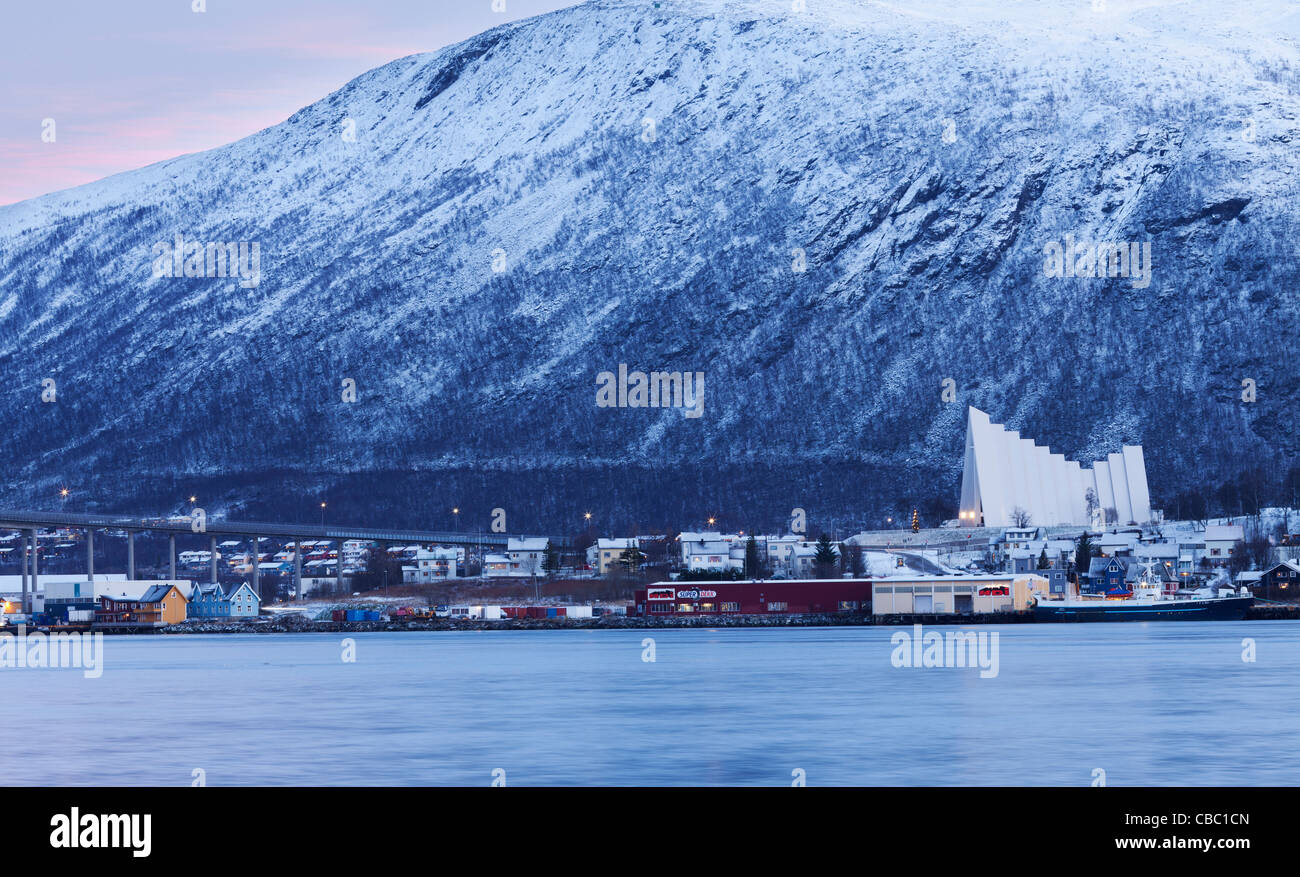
754, 597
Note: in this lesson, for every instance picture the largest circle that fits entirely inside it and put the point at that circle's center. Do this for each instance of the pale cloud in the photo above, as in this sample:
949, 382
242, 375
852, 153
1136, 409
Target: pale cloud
130, 84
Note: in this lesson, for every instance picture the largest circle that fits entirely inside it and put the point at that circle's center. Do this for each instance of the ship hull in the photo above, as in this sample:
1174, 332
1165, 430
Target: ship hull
1227, 609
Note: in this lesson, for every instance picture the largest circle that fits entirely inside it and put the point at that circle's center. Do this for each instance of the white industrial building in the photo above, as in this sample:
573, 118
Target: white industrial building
1003, 473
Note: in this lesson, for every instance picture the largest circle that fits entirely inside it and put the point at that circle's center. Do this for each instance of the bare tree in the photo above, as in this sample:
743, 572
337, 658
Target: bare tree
1020, 517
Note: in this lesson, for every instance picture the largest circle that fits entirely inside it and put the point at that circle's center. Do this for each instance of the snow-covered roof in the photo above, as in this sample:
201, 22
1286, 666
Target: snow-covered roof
528, 543
1224, 533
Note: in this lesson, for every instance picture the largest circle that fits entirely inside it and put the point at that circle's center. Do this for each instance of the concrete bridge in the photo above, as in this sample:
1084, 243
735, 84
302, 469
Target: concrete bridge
29, 523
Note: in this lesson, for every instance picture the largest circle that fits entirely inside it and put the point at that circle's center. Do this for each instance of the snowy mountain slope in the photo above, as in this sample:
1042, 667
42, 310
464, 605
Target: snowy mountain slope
922, 157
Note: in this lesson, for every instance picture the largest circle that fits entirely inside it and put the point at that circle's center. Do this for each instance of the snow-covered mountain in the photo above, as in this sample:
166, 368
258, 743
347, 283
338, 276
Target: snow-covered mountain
473, 235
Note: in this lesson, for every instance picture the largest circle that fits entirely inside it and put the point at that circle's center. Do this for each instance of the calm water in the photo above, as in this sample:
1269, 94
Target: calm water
1149, 704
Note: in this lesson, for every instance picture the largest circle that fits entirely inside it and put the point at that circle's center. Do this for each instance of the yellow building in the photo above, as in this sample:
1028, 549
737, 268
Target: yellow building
954, 595
159, 606
609, 553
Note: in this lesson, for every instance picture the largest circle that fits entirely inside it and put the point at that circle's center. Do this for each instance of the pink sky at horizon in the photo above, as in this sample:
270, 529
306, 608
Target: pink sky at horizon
128, 85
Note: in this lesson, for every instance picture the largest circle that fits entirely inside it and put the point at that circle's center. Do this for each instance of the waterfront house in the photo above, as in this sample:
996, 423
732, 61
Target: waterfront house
1026, 563
243, 600
232, 600
1279, 582
1105, 574
159, 606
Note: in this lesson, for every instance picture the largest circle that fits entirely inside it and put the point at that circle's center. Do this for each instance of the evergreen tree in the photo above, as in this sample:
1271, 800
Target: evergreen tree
632, 558
1043, 562
825, 558
753, 563
1082, 556
551, 559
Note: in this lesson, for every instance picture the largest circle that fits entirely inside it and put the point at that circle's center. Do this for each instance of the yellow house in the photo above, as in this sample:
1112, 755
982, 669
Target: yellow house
609, 553
159, 606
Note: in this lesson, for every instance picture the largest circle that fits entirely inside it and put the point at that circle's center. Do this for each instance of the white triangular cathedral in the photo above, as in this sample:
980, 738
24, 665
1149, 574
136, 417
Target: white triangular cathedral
1004, 473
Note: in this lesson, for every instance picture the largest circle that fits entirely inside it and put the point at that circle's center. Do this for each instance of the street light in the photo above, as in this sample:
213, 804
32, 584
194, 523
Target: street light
322, 514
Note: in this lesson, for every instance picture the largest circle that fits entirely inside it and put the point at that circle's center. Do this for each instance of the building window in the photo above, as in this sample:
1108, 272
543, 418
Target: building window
777, 606
730, 607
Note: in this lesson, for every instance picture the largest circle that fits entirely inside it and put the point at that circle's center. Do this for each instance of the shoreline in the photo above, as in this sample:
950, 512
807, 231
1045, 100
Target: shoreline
298, 624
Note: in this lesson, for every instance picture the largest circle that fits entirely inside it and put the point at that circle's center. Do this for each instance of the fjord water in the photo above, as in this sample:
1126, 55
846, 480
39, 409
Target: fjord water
1149, 704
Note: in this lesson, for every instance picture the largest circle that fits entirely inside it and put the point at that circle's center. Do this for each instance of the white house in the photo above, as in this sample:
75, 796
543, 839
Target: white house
433, 565
799, 564
778, 548
691, 542
711, 556
527, 555
496, 565
1117, 544
1222, 541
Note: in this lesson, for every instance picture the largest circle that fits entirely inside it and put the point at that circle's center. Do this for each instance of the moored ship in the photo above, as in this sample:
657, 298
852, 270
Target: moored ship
1148, 602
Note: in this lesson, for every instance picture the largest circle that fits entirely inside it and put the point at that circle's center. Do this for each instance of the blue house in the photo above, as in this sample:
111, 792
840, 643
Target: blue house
235, 600
1107, 574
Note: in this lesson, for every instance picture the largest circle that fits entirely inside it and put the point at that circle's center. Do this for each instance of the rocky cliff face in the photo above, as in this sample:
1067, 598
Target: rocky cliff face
832, 215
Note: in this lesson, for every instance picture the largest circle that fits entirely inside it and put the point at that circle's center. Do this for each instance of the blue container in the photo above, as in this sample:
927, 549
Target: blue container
552, 612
